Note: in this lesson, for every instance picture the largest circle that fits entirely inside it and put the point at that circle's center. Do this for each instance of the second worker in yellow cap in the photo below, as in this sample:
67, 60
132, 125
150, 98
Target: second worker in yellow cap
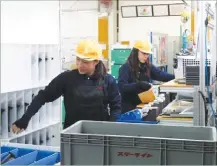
135, 75
87, 90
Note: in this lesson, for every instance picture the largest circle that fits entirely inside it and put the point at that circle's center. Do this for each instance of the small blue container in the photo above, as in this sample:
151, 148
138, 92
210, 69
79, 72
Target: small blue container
138, 121
134, 116
131, 115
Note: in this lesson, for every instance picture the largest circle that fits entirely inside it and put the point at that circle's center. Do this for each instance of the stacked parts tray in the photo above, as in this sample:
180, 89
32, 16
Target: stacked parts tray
193, 75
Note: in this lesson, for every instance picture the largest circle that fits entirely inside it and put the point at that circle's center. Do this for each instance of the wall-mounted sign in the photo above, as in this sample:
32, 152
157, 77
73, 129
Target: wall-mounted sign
176, 9
156, 10
160, 10
128, 11
144, 11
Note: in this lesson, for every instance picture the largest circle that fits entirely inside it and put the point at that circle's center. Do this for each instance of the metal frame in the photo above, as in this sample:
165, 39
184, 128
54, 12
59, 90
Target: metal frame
201, 111
177, 90
199, 114
199, 117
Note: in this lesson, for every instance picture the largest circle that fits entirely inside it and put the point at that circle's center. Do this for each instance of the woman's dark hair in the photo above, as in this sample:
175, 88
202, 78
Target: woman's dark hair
134, 64
100, 70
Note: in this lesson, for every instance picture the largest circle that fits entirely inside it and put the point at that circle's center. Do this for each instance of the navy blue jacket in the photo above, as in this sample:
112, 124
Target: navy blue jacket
129, 88
63, 85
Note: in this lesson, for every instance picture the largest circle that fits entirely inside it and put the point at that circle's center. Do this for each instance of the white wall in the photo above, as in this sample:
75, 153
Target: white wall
131, 29
79, 20
24, 23
139, 27
30, 22
29, 31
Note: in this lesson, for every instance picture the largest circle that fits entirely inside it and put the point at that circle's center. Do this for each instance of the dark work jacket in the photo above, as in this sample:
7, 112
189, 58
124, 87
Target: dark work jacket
129, 88
64, 85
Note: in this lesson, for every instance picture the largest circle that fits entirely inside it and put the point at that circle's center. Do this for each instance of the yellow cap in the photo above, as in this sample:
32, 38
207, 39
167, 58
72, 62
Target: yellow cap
88, 50
185, 16
143, 46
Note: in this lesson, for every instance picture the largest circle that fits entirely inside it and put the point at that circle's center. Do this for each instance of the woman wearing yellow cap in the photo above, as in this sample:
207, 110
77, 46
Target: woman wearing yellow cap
87, 90
135, 75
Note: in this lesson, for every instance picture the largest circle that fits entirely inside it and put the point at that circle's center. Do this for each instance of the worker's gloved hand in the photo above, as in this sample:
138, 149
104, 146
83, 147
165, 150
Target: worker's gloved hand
144, 85
20, 125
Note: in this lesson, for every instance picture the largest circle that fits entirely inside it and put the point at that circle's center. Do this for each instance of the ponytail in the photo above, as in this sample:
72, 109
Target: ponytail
100, 70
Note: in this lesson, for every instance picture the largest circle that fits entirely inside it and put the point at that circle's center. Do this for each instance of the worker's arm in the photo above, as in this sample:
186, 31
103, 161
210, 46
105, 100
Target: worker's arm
114, 98
51, 92
158, 75
125, 86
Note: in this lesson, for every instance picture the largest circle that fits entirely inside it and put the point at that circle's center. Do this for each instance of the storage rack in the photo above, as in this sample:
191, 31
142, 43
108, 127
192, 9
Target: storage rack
36, 65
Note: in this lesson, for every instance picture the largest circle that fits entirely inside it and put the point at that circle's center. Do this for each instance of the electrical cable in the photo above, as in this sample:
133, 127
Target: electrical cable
206, 110
206, 69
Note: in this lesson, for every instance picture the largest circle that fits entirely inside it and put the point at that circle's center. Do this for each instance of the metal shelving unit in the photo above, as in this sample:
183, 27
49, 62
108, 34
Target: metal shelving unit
42, 64
199, 108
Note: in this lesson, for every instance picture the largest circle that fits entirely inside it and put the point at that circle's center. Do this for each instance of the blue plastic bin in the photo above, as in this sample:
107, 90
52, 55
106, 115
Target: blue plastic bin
134, 116
131, 115
138, 121
16, 152
30, 156
4, 151
50, 160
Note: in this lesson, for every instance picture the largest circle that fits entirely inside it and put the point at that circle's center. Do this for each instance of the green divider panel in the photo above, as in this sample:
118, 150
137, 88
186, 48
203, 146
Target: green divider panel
115, 71
119, 56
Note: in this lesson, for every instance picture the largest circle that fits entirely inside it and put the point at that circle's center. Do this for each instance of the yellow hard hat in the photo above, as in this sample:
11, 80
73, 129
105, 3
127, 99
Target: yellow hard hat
143, 46
88, 50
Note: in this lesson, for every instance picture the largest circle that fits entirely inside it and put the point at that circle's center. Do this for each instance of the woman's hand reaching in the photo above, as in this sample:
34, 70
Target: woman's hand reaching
19, 126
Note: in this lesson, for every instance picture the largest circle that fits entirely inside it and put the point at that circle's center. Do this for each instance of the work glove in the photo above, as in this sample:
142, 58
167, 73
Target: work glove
144, 85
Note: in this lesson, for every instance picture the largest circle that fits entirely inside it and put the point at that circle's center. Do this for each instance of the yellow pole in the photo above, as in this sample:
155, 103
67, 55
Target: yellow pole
208, 30
208, 35
192, 24
103, 34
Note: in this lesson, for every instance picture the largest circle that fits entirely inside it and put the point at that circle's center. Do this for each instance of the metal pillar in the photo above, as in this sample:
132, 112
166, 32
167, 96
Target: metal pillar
202, 87
197, 107
213, 62
199, 114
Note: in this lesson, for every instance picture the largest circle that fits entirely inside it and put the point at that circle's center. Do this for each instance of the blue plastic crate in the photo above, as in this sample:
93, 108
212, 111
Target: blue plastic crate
134, 116
29, 156
138, 121
16, 153
50, 160
4, 151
